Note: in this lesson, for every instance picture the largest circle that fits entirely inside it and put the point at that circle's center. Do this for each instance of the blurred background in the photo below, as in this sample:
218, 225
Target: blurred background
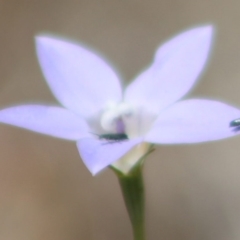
193, 191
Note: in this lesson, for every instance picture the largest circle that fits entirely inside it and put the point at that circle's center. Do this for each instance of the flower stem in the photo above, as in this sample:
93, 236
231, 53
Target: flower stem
133, 194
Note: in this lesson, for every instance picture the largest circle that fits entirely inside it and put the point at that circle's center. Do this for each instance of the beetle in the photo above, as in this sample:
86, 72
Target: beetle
235, 123
114, 136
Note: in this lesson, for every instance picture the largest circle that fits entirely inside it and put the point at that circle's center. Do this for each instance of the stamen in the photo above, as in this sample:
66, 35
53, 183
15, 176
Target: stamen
108, 121
113, 117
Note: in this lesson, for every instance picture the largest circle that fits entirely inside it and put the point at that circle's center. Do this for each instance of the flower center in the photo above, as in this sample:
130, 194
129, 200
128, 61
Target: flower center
125, 118
112, 119
131, 121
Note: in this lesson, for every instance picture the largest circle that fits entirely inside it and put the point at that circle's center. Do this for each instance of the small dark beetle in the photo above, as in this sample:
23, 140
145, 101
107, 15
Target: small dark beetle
114, 136
235, 123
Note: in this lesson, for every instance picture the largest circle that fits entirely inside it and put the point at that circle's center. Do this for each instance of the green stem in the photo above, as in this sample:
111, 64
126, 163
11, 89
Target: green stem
133, 194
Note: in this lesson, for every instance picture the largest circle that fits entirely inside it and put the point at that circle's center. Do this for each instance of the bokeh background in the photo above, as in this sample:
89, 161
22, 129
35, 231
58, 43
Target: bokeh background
193, 191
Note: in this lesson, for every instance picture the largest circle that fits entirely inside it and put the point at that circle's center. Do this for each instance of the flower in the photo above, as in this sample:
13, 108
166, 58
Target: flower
148, 112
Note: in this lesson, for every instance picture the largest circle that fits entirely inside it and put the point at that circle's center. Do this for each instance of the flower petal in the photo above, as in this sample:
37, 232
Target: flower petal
175, 69
82, 81
193, 121
98, 154
53, 121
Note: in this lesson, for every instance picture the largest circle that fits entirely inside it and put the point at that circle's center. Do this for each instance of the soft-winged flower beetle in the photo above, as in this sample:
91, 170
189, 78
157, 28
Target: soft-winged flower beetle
114, 137
235, 124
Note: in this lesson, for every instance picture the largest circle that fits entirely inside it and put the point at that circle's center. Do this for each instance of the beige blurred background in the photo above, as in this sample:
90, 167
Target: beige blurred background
193, 191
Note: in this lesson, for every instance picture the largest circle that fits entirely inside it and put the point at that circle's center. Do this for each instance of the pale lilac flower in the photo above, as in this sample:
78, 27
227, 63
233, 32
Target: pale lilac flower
149, 111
